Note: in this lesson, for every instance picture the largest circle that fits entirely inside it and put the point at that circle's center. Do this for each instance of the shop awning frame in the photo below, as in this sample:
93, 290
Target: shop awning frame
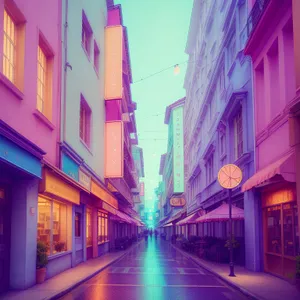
189, 219
221, 214
284, 167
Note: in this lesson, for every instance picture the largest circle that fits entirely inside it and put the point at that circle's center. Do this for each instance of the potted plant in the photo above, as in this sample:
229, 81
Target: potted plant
41, 261
297, 277
59, 246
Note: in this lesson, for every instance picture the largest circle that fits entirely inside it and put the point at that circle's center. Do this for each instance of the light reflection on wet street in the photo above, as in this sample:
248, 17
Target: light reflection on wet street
154, 270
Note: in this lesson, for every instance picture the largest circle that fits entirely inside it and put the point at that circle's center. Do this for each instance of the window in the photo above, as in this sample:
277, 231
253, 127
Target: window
77, 224
44, 78
52, 225
102, 227
222, 79
210, 169
85, 122
89, 239
86, 35
96, 57
9, 47
222, 143
274, 229
231, 50
238, 135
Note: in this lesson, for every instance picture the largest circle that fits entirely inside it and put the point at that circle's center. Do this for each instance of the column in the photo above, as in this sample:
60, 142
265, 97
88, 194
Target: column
253, 231
83, 227
23, 233
73, 238
296, 29
95, 231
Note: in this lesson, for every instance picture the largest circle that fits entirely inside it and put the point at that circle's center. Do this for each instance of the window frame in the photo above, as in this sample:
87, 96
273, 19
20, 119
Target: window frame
78, 218
238, 132
89, 228
12, 42
102, 227
210, 169
96, 57
86, 35
85, 116
45, 49
52, 202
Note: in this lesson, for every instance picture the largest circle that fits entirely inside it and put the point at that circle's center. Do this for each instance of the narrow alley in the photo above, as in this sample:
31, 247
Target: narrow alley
154, 270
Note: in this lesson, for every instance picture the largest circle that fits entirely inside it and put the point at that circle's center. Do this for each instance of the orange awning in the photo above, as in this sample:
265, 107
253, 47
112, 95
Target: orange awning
284, 167
222, 214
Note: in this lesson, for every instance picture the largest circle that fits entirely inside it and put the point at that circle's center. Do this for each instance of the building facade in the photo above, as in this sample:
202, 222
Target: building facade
29, 128
54, 137
273, 188
172, 170
218, 112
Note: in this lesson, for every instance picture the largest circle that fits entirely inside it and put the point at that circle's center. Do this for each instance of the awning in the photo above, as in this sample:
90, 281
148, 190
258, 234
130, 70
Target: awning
284, 167
163, 221
189, 219
176, 216
222, 214
121, 217
168, 225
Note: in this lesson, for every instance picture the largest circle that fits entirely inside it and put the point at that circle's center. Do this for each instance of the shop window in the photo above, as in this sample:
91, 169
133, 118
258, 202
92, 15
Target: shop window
102, 227
290, 238
89, 240
77, 224
274, 229
52, 225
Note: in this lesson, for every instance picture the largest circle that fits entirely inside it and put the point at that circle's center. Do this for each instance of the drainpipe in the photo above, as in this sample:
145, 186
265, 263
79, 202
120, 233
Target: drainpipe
65, 66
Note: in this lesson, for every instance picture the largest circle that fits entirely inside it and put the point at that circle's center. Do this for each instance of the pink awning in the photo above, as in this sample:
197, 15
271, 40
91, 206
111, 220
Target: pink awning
189, 219
284, 167
121, 217
221, 214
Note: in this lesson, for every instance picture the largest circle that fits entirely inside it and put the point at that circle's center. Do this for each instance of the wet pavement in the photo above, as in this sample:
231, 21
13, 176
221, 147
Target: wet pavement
154, 271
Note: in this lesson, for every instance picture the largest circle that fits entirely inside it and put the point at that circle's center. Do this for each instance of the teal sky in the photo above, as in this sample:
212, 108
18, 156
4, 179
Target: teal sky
157, 34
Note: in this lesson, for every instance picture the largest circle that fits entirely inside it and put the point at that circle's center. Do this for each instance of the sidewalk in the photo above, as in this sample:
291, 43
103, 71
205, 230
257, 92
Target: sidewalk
257, 285
67, 280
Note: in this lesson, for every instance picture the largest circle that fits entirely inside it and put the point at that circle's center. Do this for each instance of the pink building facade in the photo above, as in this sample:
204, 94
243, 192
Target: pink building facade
275, 237
29, 127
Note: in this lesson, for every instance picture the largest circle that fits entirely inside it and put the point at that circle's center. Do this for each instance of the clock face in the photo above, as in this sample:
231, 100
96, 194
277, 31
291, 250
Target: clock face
230, 176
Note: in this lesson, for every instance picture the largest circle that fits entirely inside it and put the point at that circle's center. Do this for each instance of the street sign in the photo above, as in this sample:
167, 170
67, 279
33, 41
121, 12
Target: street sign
177, 201
230, 176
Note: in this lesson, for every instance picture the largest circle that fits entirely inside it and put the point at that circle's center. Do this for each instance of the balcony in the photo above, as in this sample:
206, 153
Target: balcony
255, 15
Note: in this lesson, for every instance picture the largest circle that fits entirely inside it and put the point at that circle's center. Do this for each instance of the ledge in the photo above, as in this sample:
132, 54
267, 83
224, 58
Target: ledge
60, 254
86, 146
44, 119
11, 87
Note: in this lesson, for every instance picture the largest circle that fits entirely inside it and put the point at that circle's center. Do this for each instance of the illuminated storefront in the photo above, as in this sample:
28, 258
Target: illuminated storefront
57, 194
281, 230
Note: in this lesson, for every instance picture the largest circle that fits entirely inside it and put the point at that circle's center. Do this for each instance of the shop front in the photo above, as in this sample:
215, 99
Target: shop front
105, 206
280, 230
58, 200
20, 172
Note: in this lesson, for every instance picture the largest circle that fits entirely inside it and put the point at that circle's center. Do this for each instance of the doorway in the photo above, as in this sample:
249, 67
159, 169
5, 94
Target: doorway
4, 239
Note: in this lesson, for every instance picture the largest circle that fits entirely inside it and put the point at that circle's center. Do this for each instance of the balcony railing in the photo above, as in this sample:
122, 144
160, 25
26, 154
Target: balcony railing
255, 15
